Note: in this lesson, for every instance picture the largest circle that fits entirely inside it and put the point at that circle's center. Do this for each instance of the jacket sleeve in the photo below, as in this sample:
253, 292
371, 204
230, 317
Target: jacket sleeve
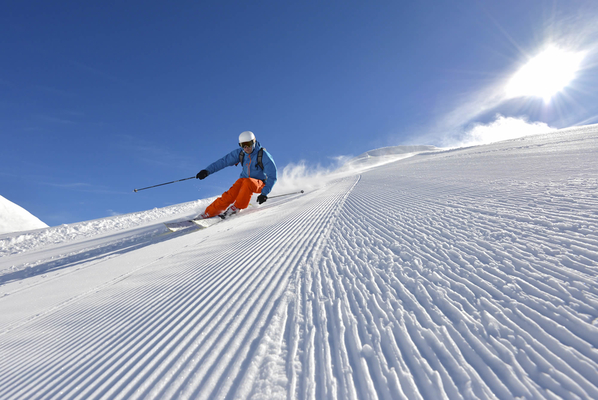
228, 160
270, 171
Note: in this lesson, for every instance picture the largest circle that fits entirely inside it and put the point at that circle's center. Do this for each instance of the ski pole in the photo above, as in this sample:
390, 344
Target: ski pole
286, 194
162, 184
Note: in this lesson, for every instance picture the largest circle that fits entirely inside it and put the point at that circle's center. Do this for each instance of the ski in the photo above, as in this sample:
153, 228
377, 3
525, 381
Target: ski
200, 223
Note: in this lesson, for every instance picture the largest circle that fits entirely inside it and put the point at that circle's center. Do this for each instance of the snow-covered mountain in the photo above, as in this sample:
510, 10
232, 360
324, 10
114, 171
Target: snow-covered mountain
469, 273
14, 218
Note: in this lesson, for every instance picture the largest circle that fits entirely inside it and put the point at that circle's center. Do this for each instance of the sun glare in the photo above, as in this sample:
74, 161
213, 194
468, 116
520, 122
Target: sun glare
546, 74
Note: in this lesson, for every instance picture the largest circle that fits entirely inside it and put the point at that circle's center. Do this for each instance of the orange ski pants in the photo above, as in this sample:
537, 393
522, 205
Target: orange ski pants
240, 193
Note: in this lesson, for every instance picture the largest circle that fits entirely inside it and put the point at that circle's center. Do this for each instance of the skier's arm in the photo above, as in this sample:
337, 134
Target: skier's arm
228, 160
270, 171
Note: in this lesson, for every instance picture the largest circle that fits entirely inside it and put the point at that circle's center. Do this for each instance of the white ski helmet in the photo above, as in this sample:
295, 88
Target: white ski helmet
246, 136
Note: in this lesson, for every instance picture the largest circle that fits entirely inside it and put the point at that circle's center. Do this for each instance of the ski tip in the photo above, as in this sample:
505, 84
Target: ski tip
135, 190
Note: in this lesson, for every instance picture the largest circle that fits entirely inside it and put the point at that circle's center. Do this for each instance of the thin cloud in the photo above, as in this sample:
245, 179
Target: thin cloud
154, 154
54, 91
98, 72
83, 187
55, 120
76, 185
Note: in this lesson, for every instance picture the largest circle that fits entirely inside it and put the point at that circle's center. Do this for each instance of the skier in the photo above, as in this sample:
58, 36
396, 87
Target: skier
257, 176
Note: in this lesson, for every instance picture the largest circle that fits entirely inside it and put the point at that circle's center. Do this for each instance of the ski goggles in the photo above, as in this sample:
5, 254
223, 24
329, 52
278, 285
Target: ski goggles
246, 144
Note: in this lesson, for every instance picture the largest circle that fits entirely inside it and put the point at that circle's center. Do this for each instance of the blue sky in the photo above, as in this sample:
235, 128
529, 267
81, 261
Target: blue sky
99, 98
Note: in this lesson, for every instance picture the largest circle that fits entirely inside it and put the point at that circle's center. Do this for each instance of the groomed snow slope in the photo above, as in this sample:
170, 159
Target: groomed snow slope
469, 273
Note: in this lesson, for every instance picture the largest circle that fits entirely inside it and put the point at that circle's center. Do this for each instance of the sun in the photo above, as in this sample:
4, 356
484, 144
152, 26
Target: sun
546, 74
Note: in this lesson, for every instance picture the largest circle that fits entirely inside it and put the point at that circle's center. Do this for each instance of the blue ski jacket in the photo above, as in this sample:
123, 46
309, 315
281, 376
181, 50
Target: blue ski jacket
250, 168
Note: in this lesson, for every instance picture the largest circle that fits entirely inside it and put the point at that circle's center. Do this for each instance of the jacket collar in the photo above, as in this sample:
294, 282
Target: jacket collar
256, 148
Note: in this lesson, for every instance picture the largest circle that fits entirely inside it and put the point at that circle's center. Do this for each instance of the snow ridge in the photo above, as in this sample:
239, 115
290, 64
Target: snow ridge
31, 240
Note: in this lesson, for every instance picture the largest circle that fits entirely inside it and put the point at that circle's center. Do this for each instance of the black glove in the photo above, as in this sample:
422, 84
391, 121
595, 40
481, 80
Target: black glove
261, 198
202, 174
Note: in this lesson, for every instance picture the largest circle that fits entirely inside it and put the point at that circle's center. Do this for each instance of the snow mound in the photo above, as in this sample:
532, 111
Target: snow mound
388, 154
14, 218
26, 241
394, 150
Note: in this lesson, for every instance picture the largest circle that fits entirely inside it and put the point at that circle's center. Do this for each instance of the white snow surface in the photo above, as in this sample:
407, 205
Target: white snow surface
462, 274
14, 218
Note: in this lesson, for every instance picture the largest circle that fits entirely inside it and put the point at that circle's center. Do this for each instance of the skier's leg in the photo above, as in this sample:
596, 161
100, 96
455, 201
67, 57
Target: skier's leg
249, 186
221, 203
